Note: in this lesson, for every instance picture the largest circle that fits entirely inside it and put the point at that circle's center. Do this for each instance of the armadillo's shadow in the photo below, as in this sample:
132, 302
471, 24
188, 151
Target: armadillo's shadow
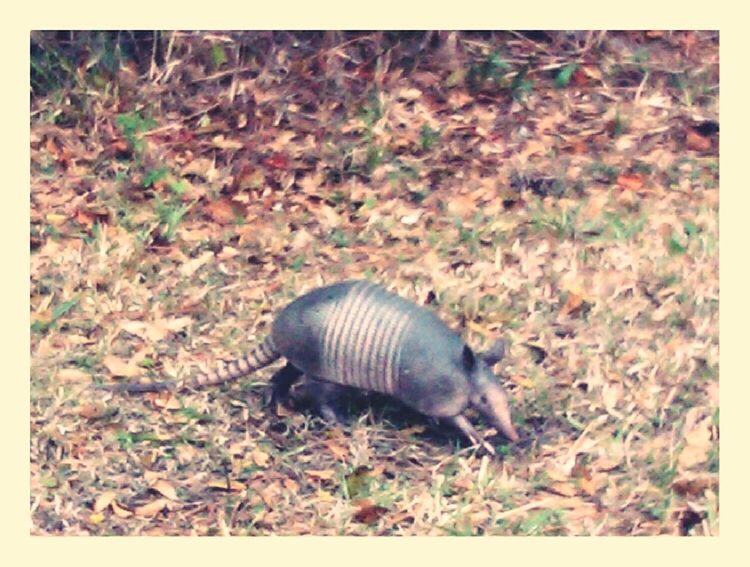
351, 404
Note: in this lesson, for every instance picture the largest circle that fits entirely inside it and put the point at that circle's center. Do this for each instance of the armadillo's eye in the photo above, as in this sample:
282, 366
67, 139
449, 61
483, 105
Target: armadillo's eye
483, 398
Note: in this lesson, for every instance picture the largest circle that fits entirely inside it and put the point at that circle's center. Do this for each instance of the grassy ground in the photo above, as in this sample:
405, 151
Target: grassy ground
558, 190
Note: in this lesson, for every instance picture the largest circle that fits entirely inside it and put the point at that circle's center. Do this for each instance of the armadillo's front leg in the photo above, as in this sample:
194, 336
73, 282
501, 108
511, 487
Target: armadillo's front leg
281, 382
468, 429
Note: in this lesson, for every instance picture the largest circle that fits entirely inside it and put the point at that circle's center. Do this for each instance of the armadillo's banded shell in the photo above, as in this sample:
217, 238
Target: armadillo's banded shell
362, 343
262, 355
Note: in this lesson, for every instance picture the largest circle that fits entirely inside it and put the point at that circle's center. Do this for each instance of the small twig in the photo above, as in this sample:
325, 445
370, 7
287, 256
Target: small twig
598, 528
578, 442
350, 41
532, 42
224, 73
180, 121
153, 67
526, 507
639, 90
435, 468
170, 45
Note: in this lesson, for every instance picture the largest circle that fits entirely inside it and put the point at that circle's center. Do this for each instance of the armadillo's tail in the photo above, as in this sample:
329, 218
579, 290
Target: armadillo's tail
261, 356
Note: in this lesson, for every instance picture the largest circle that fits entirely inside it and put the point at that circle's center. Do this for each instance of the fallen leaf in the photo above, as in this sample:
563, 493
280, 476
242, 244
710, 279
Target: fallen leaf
412, 218
580, 77
477, 328
175, 325
227, 253
463, 482
92, 411
461, 205
104, 500
224, 144
143, 330
282, 140
56, 219
311, 184
277, 161
533, 147
579, 147
413, 430
658, 315
192, 266
611, 395
321, 475
185, 453
631, 182
409, 94
120, 511
87, 218
96, 518
573, 303
71, 375
459, 98
195, 235
166, 400
260, 458
270, 494
369, 514
120, 368
606, 464
152, 508
522, 381
692, 455
695, 141
562, 488
694, 485
201, 167
592, 485
165, 488
224, 211
698, 444
329, 218
151, 476
301, 239
291, 485
357, 480
232, 486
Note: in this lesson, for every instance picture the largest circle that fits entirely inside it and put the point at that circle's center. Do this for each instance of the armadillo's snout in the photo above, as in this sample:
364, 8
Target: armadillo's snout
496, 409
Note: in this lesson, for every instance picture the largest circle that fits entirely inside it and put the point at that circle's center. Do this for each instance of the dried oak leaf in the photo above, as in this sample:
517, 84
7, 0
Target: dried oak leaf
693, 486
71, 375
369, 513
227, 485
121, 368
632, 182
152, 508
320, 475
165, 488
695, 141
104, 500
224, 211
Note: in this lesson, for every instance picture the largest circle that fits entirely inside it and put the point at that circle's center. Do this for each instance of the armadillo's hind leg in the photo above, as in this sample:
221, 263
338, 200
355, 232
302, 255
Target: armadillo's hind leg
473, 435
282, 382
323, 396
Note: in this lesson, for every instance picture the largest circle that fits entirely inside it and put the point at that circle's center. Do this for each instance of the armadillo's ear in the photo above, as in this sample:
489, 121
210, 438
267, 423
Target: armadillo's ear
495, 353
468, 358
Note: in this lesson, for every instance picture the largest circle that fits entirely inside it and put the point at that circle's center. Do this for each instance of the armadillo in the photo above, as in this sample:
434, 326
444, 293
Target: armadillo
357, 334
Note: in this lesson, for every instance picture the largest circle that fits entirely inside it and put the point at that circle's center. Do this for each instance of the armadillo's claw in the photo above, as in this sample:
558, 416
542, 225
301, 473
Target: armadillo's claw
329, 414
472, 434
